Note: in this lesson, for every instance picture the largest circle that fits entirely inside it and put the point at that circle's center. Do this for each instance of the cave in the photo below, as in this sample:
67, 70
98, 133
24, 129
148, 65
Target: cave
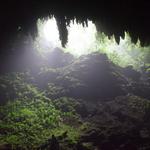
74, 75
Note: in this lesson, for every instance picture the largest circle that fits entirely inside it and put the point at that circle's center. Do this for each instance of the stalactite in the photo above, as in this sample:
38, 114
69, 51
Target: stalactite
67, 21
73, 20
83, 24
63, 32
86, 22
117, 38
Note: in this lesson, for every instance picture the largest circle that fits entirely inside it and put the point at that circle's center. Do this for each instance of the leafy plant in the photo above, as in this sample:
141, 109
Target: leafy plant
28, 123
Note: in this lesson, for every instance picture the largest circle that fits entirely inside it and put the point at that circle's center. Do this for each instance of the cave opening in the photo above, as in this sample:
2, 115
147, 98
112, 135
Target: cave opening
83, 39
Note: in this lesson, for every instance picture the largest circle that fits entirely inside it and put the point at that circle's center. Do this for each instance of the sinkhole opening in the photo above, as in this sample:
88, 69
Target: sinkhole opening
81, 40
84, 40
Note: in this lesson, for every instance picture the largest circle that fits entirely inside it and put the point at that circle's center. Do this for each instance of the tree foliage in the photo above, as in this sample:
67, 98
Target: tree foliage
126, 52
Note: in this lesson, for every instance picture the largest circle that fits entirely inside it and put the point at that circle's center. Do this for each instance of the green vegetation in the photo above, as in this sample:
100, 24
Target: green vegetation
126, 52
18, 85
84, 104
29, 118
27, 123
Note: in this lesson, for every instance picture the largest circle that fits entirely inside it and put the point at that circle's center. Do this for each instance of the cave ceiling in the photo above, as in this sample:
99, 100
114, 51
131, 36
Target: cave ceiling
110, 17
